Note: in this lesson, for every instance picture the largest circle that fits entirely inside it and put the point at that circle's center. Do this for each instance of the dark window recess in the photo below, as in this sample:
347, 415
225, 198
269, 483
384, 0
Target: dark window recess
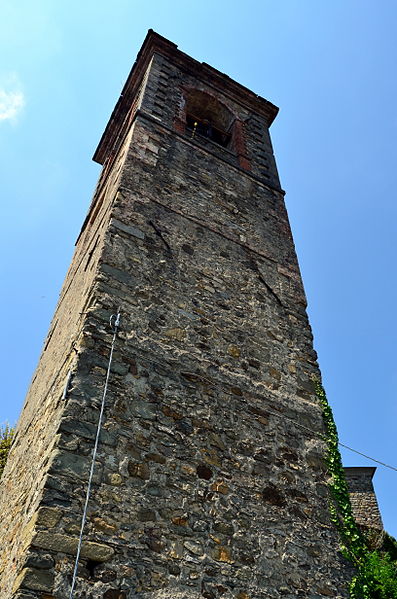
204, 128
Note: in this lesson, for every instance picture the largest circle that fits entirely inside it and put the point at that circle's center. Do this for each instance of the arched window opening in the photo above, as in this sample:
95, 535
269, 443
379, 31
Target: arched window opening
207, 117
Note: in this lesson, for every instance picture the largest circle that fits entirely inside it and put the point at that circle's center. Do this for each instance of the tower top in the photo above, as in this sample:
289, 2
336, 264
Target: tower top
157, 44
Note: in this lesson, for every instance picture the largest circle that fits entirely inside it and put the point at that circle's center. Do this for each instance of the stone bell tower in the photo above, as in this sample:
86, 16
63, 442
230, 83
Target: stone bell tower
209, 480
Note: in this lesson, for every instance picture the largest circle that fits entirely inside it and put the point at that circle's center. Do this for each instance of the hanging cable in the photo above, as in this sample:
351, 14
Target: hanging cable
368, 457
114, 324
312, 432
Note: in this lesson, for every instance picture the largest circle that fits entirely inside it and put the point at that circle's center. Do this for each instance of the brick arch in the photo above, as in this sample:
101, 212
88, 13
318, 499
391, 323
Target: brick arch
209, 107
204, 105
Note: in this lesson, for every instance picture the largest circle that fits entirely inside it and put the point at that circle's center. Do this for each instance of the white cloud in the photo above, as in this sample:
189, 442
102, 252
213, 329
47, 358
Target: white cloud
12, 99
11, 104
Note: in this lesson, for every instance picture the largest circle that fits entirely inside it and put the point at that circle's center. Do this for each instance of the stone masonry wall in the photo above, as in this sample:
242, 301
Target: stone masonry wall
35, 446
164, 101
210, 480
363, 498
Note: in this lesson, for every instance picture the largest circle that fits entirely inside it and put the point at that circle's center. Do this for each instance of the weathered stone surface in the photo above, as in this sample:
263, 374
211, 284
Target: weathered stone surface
172, 594
178, 334
48, 517
205, 484
115, 479
114, 594
106, 527
139, 470
35, 580
146, 515
222, 554
144, 409
234, 351
42, 561
86, 430
66, 544
194, 547
71, 464
127, 229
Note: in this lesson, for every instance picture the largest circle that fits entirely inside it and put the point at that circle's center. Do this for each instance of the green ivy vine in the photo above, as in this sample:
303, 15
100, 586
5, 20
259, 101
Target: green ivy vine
376, 570
6, 436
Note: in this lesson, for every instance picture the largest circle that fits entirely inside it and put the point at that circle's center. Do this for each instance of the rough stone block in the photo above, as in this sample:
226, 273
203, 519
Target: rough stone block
36, 580
65, 544
127, 229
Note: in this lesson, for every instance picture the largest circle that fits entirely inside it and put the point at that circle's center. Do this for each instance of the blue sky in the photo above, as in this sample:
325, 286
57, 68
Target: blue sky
329, 66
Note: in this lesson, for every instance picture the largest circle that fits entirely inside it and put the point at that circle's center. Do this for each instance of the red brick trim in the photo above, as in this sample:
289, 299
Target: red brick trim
240, 146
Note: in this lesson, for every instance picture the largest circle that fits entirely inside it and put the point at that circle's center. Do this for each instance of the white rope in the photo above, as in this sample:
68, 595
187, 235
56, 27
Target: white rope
114, 323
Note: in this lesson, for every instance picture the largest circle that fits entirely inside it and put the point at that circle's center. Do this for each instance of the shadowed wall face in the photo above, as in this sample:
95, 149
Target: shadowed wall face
363, 498
210, 480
